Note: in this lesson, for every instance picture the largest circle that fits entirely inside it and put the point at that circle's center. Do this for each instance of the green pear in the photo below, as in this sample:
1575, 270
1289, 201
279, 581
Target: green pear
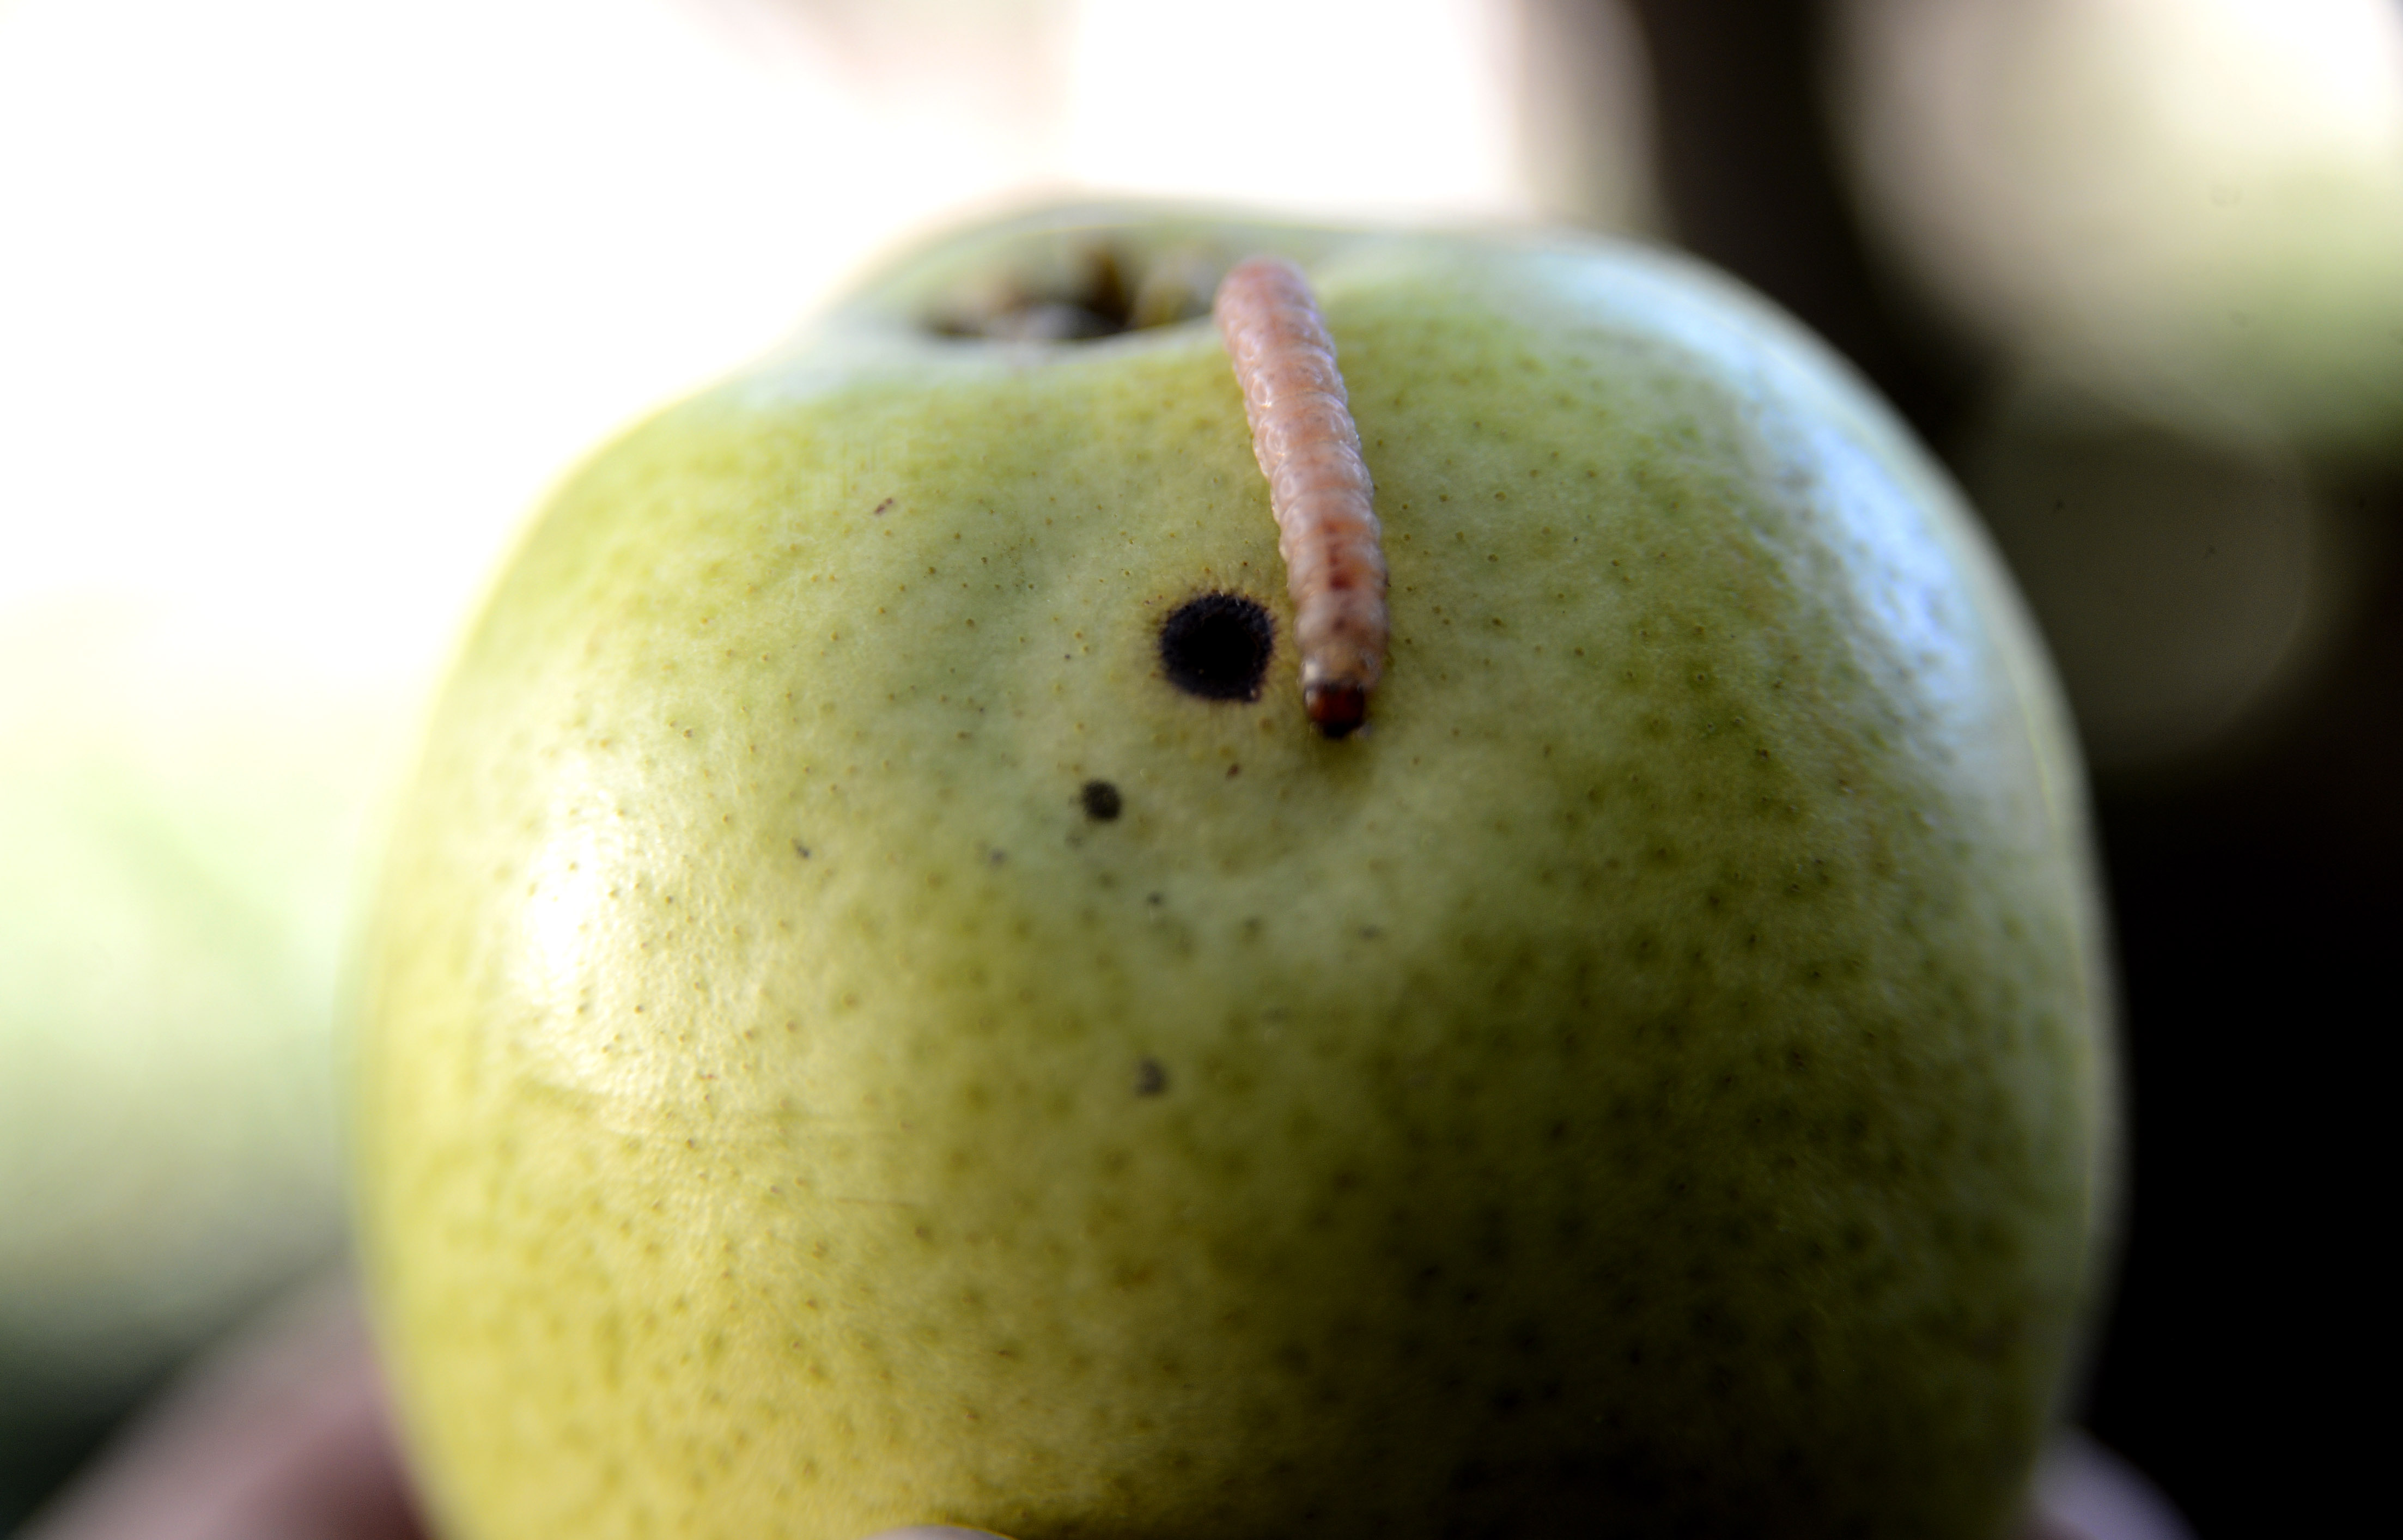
883, 1010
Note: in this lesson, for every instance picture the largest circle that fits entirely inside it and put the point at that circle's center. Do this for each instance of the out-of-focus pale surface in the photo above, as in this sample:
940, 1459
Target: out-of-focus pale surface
178, 853
1392, 109
2195, 206
2087, 1492
1409, 110
302, 305
1258, 72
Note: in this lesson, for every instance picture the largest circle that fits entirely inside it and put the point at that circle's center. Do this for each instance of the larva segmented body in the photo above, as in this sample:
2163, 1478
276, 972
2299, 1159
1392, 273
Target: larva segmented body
1303, 437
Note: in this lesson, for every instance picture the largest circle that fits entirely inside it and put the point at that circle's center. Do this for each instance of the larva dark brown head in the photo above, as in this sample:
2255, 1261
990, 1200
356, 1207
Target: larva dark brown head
1337, 711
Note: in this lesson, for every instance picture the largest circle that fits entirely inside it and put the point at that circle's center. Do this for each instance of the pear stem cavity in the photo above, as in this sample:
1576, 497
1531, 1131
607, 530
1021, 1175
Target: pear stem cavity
1319, 487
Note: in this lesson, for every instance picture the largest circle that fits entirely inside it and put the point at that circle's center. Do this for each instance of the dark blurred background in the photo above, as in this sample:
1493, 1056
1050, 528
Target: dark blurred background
299, 306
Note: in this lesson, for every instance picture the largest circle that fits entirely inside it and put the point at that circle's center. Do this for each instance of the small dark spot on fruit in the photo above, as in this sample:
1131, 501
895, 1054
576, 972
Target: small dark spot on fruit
801, 849
1101, 801
1150, 1077
1233, 770
880, 507
1218, 646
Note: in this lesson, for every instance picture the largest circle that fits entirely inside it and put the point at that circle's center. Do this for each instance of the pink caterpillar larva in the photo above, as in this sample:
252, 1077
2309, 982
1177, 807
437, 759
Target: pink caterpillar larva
1318, 485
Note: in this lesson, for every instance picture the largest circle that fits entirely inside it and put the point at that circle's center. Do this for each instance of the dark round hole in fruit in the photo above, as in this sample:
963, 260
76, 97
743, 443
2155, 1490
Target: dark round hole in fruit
1218, 646
1101, 801
1102, 292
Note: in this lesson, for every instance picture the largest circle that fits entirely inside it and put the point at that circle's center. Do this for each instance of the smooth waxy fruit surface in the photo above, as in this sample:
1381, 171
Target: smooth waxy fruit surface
851, 1040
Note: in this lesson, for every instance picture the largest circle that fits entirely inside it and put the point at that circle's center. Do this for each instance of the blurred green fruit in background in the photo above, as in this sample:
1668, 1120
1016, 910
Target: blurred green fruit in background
2194, 207
181, 832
